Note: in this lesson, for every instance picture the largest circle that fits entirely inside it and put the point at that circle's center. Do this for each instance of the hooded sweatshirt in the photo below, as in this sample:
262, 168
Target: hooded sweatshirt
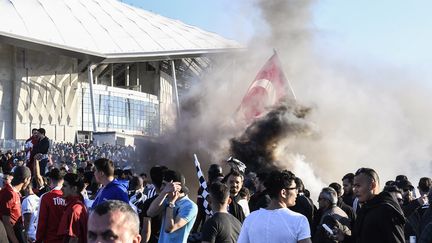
112, 191
380, 220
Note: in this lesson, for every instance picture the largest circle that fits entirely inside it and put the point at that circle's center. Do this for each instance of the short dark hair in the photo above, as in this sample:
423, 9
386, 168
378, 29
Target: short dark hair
41, 130
116, 205
371, 173
278, 180
425, 184
299, 184
156, 175
219, 192
244, 192
234, 173
349, 177
337, 187
74, 180
55, 174
262, 176
135, 183
171, 175
105, 165
34, 129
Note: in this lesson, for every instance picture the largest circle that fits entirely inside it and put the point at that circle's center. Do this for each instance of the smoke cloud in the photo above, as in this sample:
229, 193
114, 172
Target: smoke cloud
359, 116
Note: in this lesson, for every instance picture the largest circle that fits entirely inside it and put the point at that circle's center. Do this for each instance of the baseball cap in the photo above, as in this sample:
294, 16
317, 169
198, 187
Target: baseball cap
20, 174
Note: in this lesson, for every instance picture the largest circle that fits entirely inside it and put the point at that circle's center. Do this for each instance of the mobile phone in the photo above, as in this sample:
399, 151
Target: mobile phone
327, 229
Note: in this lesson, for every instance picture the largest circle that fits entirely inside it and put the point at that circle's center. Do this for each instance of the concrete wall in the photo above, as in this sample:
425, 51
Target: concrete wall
167, 106
47, 94
6, 89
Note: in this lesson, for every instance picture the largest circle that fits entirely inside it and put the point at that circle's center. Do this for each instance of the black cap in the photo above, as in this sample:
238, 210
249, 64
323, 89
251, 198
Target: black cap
404, 185
20, 174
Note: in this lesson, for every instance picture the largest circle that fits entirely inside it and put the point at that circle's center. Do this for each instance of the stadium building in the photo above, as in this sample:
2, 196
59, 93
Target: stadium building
84, 67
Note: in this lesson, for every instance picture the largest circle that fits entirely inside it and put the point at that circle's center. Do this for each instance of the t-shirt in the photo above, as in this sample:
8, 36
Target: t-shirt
278, 225
30, 205
155, 221
221, 227
51, 208
10, 204
115, 190
74, 220
185, 209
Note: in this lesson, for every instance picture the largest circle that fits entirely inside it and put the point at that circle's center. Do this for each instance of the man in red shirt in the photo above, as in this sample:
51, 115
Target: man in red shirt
10, 204
51, 208
73, 224
29, 144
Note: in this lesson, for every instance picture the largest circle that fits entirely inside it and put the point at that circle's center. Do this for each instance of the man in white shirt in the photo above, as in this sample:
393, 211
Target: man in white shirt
277, 223
30, 207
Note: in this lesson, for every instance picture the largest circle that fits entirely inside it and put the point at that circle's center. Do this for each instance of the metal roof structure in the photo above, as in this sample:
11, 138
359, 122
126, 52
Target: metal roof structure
107, 29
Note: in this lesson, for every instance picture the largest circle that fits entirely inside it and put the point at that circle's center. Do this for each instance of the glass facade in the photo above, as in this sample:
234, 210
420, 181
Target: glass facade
122, 112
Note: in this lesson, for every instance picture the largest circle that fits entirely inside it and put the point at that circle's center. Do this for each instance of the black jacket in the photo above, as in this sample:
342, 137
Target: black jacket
380, 220
41, 147
347, 209
259, 200
304, 206
236, 210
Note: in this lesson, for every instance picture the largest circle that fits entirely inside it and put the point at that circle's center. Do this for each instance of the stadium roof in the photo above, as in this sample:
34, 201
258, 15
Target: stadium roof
106, 29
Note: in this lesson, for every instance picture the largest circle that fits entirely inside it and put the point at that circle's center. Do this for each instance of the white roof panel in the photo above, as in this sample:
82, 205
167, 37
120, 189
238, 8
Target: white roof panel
104, 27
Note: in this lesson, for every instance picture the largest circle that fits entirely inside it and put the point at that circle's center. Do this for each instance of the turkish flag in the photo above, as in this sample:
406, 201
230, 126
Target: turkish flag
269, 86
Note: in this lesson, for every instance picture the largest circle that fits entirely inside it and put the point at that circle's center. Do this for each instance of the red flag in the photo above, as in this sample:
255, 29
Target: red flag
269, 86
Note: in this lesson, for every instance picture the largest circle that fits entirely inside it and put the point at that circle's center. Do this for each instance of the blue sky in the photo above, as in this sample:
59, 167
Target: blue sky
396, 32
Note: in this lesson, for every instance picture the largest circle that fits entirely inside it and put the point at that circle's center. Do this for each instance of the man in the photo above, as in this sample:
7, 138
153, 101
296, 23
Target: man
151, 225
303, 204
348, 189
341, 204
40, 150
113, 221
111, 188
380, 219
179, 212
51, 208
235, 183
221, 227
28, 146
10, 204
331, 215
424, 186
73, 224
7, 162
136, 191
214, 174
277, 223
30, 208
260, 199
407, 193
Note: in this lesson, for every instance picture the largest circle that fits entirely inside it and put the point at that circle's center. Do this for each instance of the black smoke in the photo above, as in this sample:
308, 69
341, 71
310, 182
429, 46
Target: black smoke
256, 146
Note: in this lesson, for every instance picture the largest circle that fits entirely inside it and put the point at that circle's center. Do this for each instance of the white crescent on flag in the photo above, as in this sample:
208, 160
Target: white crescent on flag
268, 88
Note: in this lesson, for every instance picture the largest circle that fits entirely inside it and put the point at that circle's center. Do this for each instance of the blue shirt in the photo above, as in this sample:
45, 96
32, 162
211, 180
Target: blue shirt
185, 209
112, 191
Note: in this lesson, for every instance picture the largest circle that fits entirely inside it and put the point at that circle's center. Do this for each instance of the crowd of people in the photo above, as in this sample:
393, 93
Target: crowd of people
77, 193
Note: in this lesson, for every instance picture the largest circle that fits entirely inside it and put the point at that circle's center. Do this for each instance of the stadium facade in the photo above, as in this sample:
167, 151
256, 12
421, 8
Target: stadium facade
76, 67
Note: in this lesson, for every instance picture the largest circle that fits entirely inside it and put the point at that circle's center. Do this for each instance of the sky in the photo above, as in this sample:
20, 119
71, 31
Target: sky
363, 67
395, 32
